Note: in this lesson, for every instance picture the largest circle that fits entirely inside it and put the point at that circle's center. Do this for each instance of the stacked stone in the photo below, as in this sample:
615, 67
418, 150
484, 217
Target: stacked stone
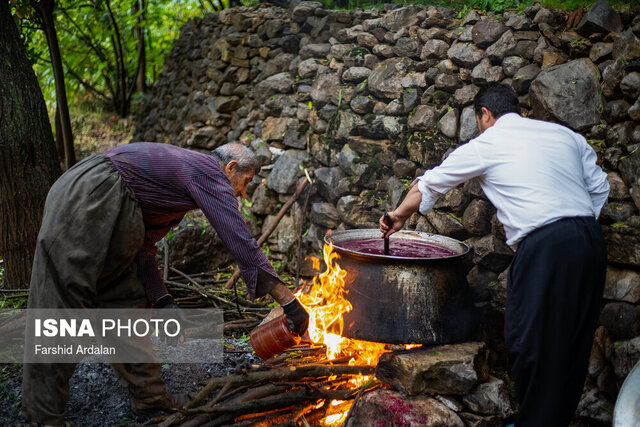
372, 98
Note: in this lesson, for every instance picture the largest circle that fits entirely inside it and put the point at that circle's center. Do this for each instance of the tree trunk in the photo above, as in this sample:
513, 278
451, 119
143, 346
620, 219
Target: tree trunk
45, 10
141, 76
28, 160
59, 138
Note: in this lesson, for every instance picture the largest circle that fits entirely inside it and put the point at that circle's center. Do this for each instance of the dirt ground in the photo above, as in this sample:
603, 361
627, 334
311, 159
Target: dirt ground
98, 399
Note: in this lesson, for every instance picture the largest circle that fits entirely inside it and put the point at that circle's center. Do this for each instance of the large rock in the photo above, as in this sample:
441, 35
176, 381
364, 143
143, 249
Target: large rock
390, 408
477, 217
283, 236
309, 67
326, 88
356, 74
448, 124
622, 285
278, 83
630, 169
351, 163
352, 211
403, 168
625, 356
484, 72
447, 224
191, 246
424, 118
275, 128
490, 398
465, 55
327, 181
304, 10
487, 32
406, 46
501, 48
626, 46
621, 319
618, 190
465, 95
434, 49
568, 94
446, 369
455, 201
595, 408
523, 78
630, 85
386, 80
601, 18
325, 214
395, 188
283, 176
263, 201
315, 50
468, 124
400, 18
491, 253
511, 64
362, 104
623, 245
616, 111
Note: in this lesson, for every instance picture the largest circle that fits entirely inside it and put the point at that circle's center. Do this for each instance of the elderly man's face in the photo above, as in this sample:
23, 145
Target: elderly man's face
239, 180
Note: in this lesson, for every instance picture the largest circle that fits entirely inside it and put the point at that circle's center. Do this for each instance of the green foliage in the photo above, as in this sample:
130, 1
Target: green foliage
88, 42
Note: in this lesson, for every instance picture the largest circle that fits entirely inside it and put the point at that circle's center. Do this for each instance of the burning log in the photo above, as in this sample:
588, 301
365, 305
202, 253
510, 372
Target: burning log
277, 393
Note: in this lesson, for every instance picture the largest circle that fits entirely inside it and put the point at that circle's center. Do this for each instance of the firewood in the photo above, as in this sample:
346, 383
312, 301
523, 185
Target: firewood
258, 392
283, 374
279, 401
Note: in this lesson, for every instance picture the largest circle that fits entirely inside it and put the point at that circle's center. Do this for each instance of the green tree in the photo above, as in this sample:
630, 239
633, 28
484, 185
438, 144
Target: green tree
110, 49
28, 161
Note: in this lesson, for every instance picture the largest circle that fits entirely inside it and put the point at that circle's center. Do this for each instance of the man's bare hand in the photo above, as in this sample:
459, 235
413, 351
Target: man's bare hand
390, 223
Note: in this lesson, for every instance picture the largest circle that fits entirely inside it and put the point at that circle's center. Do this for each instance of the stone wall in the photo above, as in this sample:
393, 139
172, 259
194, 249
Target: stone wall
372, 98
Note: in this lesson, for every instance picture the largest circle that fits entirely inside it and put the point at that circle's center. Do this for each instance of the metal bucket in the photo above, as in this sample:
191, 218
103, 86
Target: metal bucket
273, 338
400, 300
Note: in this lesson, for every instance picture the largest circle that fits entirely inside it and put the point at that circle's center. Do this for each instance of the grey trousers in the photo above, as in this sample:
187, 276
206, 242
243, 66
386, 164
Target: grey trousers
91, 231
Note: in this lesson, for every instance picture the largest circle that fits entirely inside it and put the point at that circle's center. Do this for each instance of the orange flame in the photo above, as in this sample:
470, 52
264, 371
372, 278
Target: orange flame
326, 303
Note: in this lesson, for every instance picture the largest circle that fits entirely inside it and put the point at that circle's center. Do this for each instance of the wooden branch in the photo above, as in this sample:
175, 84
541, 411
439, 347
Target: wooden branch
278, 401
271, 227
284, 374
258, 392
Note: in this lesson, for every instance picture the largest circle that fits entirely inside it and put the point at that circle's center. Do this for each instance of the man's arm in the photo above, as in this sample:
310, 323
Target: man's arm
218, 203
462, 164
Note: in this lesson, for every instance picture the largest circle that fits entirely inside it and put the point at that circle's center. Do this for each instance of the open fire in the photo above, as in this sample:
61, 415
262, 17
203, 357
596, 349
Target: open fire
325, 301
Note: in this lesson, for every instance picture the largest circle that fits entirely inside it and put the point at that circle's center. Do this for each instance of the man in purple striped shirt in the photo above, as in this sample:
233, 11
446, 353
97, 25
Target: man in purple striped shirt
96, 248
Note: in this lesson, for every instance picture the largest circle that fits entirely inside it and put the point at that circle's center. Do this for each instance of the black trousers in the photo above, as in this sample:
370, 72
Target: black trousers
554, 294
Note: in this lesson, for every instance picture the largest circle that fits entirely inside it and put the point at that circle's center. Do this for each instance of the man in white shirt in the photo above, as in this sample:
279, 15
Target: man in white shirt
548, 191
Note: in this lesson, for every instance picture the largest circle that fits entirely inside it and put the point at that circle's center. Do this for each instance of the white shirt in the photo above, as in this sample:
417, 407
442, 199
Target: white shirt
534, 173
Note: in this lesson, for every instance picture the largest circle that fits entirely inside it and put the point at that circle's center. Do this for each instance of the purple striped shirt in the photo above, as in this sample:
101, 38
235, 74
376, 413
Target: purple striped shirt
169, 181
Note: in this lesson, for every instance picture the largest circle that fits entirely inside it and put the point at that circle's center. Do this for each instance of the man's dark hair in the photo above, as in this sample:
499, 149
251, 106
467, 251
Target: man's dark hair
499, 98
234, 151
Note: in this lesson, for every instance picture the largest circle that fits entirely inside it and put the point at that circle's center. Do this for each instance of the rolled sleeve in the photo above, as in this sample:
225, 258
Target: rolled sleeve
214, 195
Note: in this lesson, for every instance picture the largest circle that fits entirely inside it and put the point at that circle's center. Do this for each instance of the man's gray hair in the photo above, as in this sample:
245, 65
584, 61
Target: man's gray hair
235, 151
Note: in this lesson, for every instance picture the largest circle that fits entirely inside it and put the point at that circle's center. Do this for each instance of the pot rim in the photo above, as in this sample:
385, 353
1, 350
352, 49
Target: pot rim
461, 248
